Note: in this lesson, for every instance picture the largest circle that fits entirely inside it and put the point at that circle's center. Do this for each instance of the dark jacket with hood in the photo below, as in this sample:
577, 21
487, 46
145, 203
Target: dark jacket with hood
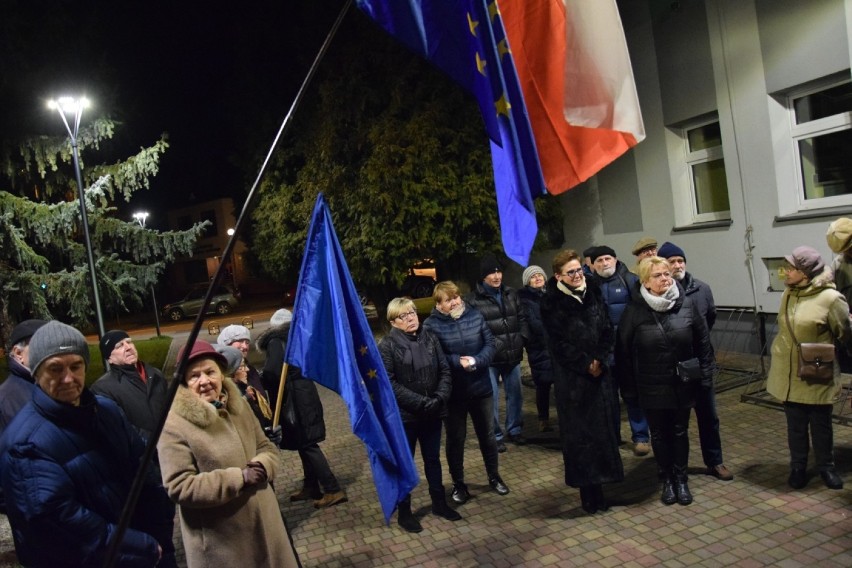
418, 373
506, 319
309, 412
536, 343
467, 336
578, 333
701, 296
143, 402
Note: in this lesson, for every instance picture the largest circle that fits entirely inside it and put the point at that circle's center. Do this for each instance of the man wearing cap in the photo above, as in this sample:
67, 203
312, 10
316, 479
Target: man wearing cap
705, 396
67, 462
617, 285
645, 247
138, 388
501, 307
17, 390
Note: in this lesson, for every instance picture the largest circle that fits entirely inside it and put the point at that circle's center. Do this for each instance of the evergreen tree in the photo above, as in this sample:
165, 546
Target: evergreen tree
43, 263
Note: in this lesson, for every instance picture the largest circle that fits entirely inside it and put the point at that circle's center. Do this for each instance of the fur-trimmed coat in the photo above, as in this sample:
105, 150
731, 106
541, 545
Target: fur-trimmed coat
203, 451
578, 333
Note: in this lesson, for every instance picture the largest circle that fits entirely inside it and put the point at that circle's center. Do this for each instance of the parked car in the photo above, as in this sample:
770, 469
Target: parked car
223, 302
420, 280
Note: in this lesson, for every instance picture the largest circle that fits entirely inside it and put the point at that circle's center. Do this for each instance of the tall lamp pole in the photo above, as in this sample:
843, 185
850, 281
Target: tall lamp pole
141, 217
74, 107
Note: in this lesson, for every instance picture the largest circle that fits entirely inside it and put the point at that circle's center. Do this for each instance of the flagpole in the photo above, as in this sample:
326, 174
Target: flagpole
282, 382
150, 448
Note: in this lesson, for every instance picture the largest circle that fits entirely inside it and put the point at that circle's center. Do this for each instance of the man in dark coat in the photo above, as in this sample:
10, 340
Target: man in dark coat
705, 399
501, 307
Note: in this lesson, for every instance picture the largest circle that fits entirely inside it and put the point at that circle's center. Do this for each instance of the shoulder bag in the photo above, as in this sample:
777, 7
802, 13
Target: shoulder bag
816, 360
689, 371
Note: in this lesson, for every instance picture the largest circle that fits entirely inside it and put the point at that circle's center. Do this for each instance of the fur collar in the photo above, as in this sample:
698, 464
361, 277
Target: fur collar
280, 332
200, 412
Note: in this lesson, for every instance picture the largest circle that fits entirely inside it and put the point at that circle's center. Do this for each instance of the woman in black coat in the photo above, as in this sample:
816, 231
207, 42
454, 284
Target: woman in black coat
580, 338
538, 356
320, 483
421, 382
653, 336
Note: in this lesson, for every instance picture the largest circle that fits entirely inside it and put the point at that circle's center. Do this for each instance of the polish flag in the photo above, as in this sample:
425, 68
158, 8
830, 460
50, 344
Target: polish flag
575, 73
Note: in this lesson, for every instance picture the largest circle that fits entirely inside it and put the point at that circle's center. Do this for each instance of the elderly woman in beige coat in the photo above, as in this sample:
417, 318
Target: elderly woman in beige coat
217, 464
817, 313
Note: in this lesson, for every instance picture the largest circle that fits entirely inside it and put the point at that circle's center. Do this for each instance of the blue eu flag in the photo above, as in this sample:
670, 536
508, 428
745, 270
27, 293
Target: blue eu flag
331, 342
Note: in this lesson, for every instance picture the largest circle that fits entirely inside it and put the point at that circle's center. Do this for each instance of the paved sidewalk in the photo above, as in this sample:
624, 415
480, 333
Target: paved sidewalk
755, 520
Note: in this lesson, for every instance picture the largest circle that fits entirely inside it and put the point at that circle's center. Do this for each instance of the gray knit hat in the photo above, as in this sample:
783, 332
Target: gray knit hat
56, 338
529, 271
233, 333
233, 355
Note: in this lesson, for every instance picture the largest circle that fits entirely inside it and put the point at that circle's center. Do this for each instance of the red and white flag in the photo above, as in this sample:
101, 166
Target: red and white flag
574, 69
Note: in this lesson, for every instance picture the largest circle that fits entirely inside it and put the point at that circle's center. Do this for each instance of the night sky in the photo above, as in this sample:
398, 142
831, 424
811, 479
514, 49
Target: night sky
218, 77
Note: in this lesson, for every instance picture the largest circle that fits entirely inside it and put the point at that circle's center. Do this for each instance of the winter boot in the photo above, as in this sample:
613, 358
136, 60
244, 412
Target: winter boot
406, 518
309, 492
684, 497
587, 500
598, 496
668, 496
440, 506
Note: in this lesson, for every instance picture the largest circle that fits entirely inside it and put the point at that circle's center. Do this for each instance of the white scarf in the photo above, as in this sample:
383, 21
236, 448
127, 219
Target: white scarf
661, 303
576, 293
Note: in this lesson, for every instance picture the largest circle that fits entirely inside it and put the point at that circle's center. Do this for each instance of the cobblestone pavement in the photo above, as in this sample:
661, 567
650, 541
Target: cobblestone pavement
755, 520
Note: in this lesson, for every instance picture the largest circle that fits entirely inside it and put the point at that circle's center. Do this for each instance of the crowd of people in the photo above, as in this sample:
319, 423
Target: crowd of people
595, 333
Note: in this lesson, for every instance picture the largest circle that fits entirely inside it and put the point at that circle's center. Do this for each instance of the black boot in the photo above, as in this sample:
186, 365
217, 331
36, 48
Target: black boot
406, 518
440, 506
668, 496
684, 497
598, 496
587, 500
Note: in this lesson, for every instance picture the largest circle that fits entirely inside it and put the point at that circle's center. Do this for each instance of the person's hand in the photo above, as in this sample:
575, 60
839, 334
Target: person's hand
432, 407
274, 434
595, 369
467, 363
254, 474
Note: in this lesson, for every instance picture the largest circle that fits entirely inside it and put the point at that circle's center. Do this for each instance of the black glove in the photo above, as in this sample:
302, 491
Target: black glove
254, 474
274, 434
432, 407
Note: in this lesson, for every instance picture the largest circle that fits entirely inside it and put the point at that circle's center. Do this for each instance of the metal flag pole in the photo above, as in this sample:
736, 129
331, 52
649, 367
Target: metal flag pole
151, 446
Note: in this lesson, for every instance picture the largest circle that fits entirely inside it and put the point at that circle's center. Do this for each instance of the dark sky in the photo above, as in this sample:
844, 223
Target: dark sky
218, 77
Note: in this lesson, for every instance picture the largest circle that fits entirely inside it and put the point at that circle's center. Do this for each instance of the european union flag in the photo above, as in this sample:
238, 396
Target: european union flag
466, 39
331, 342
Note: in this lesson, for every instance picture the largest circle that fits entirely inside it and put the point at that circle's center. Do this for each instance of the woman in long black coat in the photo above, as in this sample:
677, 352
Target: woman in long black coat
580, 339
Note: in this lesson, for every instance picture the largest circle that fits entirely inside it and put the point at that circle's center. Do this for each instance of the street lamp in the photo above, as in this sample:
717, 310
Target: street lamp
141, 217
72, 106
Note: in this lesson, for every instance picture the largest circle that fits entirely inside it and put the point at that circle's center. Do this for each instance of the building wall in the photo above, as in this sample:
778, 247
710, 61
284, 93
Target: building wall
733, 60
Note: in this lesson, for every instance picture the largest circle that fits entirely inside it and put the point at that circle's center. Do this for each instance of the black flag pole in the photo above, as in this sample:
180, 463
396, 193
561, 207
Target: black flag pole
150, 448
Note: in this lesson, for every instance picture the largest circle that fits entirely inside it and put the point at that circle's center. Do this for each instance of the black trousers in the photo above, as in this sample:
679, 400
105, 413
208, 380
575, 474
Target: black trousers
317, 470
817, 419
670, 438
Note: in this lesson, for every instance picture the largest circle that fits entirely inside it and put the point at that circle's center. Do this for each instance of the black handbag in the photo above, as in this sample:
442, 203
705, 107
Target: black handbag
688, 371
816, 360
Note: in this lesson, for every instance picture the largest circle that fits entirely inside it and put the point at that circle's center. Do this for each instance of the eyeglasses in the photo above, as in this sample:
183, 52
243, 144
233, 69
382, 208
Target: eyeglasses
406, 315
572, 273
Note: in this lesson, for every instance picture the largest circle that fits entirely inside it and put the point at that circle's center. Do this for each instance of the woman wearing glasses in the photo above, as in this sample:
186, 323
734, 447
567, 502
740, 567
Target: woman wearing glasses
580, 338
659, 330
421, 383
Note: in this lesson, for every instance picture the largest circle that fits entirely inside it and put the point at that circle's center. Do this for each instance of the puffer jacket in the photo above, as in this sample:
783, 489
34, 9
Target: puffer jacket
617, 291
818, 314
467, 336
414, 388
646, 360
66, 472
701, 296
536, 343
507, 321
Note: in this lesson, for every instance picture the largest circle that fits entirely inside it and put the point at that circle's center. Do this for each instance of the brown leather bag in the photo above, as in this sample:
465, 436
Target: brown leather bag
816, 362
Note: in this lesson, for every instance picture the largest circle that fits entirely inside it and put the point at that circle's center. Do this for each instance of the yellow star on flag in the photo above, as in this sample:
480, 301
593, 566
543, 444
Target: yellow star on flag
372, 374
472, 24
363, 350
503, 47
480, 63
502, 105
493, 10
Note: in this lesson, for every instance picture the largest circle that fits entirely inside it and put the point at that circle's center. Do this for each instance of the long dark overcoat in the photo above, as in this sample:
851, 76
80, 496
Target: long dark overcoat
578, 333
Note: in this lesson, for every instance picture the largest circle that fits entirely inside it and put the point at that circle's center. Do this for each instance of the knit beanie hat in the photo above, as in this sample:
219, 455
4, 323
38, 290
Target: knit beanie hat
233, 356
56, 338
668, 250
24, 330
110, 340
530, 271
839, 235
489, 265
232, 333
281, 317
595, 252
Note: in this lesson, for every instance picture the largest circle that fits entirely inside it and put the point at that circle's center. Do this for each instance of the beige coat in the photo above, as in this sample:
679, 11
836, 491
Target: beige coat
203, 451
818, 314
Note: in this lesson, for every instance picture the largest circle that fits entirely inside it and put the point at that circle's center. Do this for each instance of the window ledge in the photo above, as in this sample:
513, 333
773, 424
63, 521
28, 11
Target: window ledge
827, 212
703, 225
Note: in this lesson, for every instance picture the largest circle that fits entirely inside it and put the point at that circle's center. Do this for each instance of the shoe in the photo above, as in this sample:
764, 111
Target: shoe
544, 426
331, 499
444, 511
831, 479
642, 449
668, 496
306, 494
720, 472
600, 500
501, 446
406, 518
460, 493
497, 485
587, 500
518, 439
684, 497
798, 478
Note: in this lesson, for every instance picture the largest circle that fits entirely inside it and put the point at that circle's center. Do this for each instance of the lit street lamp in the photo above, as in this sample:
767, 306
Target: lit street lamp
70, 105
141, 217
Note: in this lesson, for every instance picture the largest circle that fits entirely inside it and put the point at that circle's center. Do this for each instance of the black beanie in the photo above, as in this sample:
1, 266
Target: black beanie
602, 250
110, 340
489, 265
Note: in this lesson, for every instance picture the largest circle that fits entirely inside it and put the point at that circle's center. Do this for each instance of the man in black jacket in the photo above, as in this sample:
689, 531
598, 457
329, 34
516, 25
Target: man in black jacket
501, 307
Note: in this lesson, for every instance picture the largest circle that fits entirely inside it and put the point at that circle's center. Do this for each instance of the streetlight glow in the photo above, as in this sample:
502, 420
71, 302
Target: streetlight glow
68, 104
141, 217
230, 232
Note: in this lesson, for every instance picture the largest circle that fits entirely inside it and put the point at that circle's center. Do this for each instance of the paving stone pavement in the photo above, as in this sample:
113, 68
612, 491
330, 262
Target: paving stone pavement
754, 520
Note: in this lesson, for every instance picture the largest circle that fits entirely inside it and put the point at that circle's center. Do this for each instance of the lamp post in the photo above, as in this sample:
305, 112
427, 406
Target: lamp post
233, 264
141, 217
74, 107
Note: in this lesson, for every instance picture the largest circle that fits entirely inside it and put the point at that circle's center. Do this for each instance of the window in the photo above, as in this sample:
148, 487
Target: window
822, 138
708, 182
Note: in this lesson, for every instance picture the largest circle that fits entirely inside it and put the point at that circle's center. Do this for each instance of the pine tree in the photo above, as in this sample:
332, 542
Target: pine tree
43, 264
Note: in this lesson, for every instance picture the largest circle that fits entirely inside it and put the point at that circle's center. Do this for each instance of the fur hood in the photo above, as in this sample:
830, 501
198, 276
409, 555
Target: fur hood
200, 412
281, 332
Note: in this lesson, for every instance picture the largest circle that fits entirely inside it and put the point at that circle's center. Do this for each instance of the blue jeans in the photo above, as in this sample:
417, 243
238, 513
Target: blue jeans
514, 400
456, 424
639, 431
708, 425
